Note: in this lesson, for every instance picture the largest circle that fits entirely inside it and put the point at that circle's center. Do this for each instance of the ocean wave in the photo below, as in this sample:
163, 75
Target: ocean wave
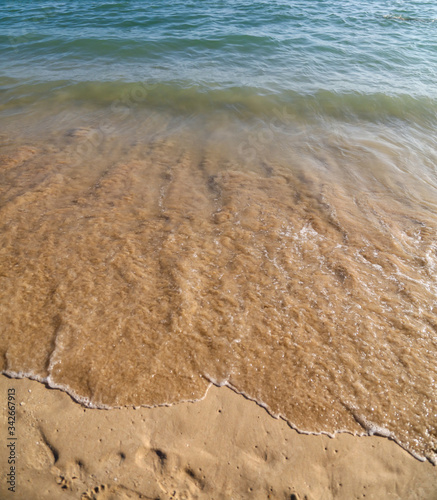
242, 102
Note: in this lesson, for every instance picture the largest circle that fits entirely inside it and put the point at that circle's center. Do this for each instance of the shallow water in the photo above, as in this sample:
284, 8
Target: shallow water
159, 235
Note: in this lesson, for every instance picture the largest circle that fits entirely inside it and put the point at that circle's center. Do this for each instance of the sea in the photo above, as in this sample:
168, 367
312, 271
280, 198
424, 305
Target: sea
231, 192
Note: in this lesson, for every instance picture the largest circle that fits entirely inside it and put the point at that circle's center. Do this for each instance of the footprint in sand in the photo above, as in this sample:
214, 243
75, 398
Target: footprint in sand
107, 492
177, 480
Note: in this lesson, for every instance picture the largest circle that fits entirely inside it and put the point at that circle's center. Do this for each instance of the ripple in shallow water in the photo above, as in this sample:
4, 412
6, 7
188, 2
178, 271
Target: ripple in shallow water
301, 278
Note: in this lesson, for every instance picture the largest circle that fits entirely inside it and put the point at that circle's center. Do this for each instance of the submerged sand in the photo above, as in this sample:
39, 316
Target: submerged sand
303, 277
224, 447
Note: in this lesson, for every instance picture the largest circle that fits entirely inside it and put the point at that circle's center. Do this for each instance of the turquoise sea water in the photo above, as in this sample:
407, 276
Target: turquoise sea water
368, 55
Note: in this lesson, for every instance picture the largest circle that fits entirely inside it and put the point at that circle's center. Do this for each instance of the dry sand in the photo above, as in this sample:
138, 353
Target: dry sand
222, 447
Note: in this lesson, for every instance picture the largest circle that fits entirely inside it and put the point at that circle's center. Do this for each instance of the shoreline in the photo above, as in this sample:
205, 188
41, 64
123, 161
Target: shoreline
224, 446
369, 429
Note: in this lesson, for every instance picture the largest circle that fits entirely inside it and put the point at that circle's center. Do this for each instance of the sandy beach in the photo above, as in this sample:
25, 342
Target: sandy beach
218, 249
224, 447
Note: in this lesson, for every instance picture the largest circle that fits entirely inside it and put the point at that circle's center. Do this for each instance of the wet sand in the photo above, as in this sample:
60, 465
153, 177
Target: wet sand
146, 271
220, 448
